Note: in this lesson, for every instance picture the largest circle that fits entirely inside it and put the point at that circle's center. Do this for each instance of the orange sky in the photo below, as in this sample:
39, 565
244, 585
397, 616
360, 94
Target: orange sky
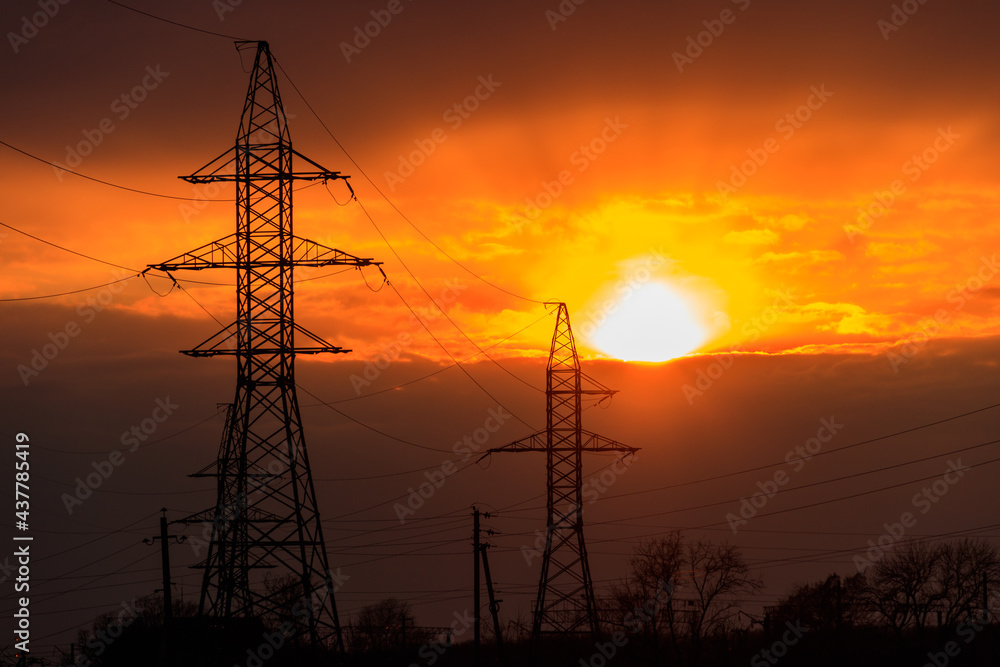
692, 204
654, 188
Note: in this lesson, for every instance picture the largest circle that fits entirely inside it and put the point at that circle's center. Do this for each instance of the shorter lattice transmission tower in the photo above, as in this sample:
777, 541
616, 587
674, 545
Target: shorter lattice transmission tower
565, 602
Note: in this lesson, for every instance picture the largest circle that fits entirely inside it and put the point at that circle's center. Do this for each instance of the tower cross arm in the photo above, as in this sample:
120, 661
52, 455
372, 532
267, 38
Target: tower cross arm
263, 167
223, 254
589, 442
217, 254
310, 253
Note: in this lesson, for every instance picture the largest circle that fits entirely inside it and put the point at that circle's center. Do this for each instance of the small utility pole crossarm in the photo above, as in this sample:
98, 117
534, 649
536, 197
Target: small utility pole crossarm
565, 603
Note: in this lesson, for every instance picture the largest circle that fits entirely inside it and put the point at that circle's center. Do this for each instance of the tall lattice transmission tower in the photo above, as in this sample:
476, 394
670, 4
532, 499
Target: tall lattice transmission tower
565, 602
266, 516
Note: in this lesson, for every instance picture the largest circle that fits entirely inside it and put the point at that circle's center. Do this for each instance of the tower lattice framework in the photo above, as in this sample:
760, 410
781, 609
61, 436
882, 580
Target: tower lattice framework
565, 601
266, 515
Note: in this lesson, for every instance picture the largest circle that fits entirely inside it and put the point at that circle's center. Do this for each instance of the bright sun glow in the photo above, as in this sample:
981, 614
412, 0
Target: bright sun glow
653, 323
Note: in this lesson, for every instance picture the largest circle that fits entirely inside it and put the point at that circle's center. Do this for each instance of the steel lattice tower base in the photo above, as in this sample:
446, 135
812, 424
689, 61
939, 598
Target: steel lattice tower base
565, 602
266, 516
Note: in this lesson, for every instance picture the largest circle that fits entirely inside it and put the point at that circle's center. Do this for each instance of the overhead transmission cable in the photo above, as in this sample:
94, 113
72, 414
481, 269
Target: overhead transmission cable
390, 202
443, 312
179, 24
299, 92
103, 182
807, 457
440, 370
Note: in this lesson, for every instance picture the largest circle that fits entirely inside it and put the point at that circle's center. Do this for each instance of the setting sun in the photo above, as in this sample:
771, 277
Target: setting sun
653, 323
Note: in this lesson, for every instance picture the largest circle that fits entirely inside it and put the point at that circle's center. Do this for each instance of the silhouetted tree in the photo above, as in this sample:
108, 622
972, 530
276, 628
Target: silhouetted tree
686, 591
902, 589
643, 598
826, 604
719, 577
378, 627
909, 587
962, 565
123, 636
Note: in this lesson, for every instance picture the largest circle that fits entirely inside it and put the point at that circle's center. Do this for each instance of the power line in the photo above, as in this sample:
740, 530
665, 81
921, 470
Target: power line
64, 575
805, 458
198, 303
332, 136
909, 430
386, 502
339, 412
371, 477
800, 507
142, 446
76, 291
443, 312
440, 370
178, 24
863, 493
390, 202
722, 523
98, 180
933, 538
65, 249
96, 539
372, 428
454, 360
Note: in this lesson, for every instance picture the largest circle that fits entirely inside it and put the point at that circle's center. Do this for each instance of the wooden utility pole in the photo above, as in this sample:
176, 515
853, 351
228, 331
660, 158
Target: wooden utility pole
494, 603
164, 538
476, 637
